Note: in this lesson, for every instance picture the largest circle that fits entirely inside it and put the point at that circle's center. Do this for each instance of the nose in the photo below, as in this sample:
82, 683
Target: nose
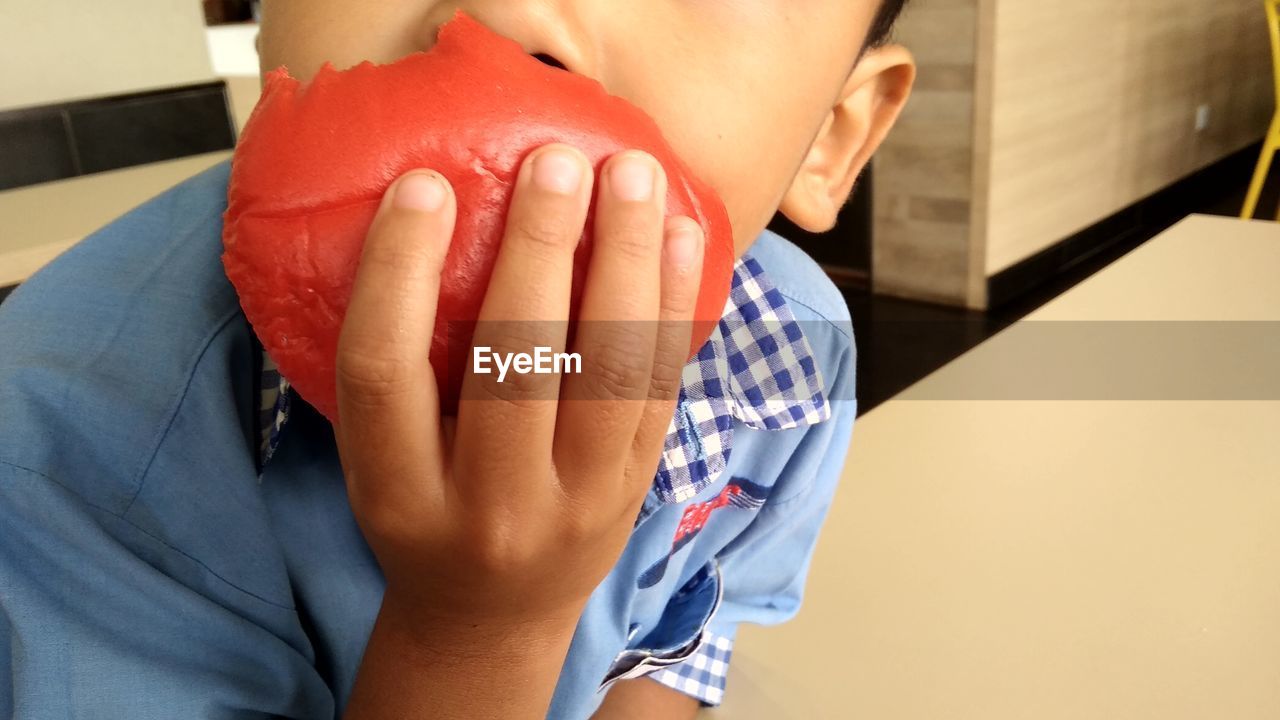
553, 31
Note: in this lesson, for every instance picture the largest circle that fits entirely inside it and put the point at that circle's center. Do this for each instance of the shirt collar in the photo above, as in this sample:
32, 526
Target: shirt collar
756, 368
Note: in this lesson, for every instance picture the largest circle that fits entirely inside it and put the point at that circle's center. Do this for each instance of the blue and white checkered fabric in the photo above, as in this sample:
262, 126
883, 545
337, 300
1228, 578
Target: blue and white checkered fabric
701, 675
757, 367
273, 408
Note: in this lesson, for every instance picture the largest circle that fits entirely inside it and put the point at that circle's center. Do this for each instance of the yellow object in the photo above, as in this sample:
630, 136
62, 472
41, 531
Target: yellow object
1272, 143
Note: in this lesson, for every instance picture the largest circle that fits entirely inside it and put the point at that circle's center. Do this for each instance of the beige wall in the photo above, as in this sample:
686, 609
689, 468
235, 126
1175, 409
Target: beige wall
1033, 120
1093, 107
53, 50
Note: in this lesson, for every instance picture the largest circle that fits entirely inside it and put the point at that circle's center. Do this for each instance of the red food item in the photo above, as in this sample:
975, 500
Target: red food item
314, 160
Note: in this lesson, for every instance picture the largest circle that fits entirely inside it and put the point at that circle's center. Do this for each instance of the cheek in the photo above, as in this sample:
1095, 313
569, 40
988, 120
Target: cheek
751, 191
748, 133
749, 159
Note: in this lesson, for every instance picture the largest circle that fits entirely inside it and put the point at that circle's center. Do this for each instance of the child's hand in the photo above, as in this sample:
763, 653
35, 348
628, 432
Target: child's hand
514, 518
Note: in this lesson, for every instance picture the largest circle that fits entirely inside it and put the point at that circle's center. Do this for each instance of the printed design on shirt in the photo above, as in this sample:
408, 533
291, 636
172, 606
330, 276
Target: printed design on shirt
738, 493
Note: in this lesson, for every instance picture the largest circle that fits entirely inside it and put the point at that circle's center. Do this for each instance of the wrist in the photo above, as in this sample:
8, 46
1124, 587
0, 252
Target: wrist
419, 658
487, 637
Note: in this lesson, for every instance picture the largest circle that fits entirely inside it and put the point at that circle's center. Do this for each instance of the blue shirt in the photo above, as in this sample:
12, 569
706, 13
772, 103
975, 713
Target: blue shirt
175, 537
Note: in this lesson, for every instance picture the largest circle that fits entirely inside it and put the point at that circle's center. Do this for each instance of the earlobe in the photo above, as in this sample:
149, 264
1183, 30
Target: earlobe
866, 108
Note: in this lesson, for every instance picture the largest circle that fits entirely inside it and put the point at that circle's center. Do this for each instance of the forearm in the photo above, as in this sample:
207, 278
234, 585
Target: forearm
644, 699
421, 669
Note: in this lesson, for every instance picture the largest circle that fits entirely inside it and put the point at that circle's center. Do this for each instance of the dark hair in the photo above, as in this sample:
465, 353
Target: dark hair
882, 26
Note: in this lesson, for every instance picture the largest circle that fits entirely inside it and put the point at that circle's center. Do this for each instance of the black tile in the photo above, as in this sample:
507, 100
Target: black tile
61, 140
901, 341
34, 148
147, 129
1230, 202
1062, 264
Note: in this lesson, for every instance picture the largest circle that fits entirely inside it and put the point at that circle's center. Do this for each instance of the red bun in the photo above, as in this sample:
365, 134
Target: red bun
314, 161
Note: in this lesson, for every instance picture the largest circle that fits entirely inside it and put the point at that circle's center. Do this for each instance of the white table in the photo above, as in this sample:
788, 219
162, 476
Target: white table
38, 222
1053, 557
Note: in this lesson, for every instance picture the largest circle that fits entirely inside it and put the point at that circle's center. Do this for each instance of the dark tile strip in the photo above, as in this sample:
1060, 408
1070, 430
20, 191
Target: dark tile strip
53, 142
34, 148
1118, 233
77, 166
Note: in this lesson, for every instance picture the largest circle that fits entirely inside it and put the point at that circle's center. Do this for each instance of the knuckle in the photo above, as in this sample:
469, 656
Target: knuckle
384, 519
515, 336
392, 256
584, 515
679, 297
578, 527
617, 369
499, 548
517, 388
372, 374
633, 237
664, 381
521, 391
545, 232
384, 514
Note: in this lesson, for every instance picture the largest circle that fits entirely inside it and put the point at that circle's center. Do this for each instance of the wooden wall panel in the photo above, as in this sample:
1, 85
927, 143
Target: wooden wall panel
924, 171
1093, 107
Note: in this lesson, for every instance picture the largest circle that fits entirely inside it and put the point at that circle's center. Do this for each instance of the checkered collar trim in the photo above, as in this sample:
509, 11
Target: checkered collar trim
756, 368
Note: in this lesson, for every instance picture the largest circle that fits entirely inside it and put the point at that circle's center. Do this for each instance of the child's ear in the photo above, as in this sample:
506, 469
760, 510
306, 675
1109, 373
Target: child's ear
865, 110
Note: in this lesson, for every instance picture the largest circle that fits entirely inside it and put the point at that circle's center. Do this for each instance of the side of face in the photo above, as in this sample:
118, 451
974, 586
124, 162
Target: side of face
755, 95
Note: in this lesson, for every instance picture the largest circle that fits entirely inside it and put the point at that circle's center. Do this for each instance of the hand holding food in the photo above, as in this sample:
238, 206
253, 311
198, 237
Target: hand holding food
315, 160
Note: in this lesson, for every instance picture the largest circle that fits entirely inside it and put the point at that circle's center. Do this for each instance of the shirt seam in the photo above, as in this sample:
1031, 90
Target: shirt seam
809, 487
815, 311
133, 525
140, 478
772, 505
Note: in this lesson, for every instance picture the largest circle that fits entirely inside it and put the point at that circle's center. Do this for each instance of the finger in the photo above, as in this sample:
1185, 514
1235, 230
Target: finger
388, 428
681, 278
617, 332
510, 420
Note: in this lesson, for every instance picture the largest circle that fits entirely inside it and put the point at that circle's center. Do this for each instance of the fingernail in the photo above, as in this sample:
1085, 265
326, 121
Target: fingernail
420, 191
557, 171
632, 178
684, 245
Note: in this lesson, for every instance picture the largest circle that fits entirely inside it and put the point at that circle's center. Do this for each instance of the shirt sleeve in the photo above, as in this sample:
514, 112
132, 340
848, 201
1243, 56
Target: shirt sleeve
93, 623
763, 571
703, 674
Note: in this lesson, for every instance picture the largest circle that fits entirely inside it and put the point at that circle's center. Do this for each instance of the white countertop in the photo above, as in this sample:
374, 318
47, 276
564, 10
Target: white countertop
38, 222
1003, 559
